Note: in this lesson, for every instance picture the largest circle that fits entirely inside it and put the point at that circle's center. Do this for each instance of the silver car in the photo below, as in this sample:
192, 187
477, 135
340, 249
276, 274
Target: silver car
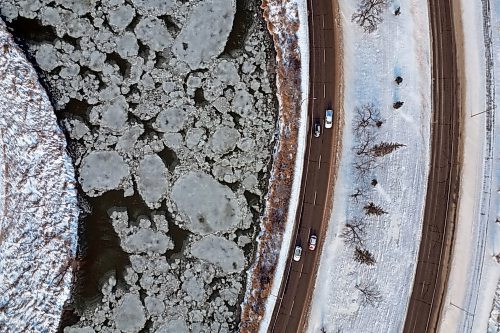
329, 118
297, 253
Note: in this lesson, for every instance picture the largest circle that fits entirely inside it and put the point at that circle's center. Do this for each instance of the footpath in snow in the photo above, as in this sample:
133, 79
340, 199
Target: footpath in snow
380, 193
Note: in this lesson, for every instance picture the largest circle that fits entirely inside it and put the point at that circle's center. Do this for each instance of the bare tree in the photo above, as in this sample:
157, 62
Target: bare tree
368, 14
370, 295
364, 140
372, 209
360, 193
354, 232
364, 256
384, 148
366, 117
363, 165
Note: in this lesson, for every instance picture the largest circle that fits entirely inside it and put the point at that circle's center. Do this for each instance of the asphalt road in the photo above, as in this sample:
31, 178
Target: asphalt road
425, 304
319, 169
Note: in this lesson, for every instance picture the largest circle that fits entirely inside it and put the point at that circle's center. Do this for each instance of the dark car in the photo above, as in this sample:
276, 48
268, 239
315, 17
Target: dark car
317, 129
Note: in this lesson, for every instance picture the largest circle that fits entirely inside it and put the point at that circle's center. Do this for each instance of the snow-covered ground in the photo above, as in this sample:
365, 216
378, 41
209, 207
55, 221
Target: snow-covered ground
400, 47
475, 272
38, 204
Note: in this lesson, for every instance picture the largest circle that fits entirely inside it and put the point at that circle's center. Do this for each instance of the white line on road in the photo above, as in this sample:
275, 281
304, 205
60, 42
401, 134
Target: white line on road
324, 55
315, 194
324, 90
319, 162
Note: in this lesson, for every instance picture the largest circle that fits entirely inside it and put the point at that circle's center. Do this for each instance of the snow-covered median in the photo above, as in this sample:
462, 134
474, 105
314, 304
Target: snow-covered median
38, 205
368, 262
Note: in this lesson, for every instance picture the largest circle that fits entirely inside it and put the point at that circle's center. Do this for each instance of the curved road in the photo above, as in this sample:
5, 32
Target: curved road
319, 168
431, 275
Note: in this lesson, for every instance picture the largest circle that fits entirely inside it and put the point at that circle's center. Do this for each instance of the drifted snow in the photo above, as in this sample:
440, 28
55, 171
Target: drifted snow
38, 205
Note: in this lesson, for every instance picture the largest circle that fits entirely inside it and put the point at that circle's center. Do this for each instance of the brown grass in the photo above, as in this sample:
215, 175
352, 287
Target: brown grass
274, 219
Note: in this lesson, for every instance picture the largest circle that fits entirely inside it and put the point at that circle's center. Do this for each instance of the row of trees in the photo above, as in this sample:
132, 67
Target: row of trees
367, 122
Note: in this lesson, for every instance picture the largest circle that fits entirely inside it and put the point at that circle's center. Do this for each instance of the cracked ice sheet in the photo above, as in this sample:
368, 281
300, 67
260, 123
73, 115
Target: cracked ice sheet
39, 213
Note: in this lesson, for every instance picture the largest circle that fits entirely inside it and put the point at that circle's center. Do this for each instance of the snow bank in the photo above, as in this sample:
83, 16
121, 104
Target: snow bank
475, 272
38, 204
400, 47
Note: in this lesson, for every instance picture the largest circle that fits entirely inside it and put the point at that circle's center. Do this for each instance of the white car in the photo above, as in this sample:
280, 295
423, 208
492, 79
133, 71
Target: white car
297, 253
312, 242
329, 118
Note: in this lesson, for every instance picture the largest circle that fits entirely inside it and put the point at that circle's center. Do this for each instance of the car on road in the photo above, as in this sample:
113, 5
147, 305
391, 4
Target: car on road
313, 240
328, 118
317, 129
297, 253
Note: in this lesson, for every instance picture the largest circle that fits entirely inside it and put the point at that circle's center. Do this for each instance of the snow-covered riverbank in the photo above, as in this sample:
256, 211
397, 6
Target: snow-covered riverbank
38, 204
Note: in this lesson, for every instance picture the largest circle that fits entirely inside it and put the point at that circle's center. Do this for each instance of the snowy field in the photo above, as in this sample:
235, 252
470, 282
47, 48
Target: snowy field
38, 204
475, 271
396, 183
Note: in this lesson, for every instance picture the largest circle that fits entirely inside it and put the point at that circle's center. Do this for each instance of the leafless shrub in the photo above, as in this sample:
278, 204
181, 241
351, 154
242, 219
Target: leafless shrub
398, 104
368, 14
385, 148
354, 232
370, 295
359, 193
364, 256
372, 209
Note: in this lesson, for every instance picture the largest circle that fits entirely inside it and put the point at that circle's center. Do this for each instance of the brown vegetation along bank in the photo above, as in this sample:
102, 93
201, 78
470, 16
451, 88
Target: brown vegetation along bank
282, 22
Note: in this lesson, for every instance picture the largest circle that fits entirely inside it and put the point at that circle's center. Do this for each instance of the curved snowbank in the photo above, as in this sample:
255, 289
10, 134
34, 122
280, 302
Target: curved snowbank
38, 204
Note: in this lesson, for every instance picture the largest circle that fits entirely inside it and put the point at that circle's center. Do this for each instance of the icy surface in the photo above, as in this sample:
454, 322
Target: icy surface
371, 62
152, 180
140, 120
129, 315
221, 252
102, 171
205, 33
209, 205
39, 213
